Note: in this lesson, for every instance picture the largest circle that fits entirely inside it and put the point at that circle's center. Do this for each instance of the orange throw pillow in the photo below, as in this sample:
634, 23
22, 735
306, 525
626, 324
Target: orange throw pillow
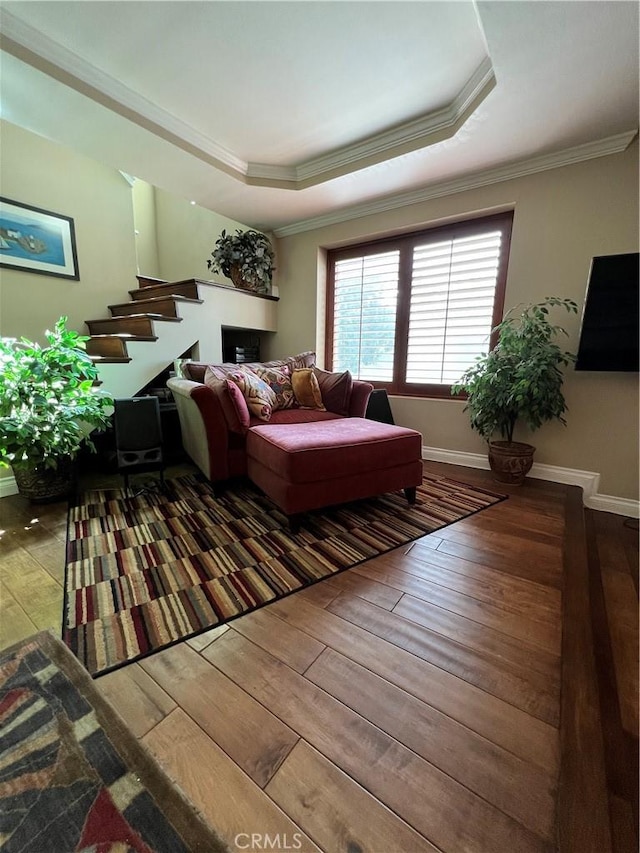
306, 389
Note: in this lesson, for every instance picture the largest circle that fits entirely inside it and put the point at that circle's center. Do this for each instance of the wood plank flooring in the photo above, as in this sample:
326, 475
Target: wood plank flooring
476, 690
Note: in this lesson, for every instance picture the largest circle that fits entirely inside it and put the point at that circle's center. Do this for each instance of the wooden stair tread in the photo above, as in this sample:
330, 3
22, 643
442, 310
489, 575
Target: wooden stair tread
110, 359
144, 315
124, 336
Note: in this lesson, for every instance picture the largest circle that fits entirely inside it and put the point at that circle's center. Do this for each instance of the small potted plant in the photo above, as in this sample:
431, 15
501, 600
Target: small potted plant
519, 380
48, 406
246, 258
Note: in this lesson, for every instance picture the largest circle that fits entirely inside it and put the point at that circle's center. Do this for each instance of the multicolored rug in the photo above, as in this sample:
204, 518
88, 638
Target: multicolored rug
147, 572
72, 776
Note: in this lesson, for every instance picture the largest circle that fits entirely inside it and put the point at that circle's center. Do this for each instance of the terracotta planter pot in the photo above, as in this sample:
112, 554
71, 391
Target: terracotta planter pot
510, 461
41, 485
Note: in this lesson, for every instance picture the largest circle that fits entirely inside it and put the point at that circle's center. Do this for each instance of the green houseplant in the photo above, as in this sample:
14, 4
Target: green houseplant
519, 380
48, 404
245, 257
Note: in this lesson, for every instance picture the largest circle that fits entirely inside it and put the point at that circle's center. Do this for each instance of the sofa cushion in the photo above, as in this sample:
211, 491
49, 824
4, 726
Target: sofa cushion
306, 389
279, 380
261, 400
327, 449
232, 402
297, 416
335, 389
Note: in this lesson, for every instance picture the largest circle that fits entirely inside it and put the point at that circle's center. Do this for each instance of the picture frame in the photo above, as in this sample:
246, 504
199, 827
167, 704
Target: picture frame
37, 241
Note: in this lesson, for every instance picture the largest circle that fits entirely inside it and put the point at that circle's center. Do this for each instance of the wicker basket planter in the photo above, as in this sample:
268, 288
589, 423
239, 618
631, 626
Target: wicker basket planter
235, 274
41, 485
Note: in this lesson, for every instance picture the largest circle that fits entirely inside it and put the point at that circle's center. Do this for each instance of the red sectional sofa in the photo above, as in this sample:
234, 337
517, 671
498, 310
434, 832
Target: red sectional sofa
302, 458
208, 435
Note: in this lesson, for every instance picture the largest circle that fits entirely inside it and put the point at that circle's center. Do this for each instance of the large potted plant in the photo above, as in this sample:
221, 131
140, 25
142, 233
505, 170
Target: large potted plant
245, 257
519, 380
48, 407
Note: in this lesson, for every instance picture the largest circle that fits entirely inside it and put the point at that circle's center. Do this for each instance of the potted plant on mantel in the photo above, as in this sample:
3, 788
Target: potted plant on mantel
246, 258
519, 380
48, 405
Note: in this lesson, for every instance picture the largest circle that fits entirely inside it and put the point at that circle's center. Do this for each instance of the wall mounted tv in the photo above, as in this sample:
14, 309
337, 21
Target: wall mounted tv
611, 317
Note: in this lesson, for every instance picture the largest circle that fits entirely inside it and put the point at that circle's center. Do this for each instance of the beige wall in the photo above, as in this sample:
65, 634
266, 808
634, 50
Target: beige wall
563, 217
144, 219
41, 173
186, 237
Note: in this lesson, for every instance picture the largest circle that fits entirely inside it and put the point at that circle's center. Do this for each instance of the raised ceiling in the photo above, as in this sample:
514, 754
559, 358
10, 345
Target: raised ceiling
285, 114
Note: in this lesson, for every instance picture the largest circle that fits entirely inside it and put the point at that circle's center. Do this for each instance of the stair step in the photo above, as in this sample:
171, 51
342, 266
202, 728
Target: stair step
158, 305
107, 346
187, 288
149, 281
135, 324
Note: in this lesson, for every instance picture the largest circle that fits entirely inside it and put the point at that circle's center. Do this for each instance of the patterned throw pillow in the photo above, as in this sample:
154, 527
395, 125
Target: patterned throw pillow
303, 359
261, 400
306, 389
336, 390
279, 380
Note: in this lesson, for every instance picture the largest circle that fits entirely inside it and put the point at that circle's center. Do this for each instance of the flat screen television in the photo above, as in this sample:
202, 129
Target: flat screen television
611, 317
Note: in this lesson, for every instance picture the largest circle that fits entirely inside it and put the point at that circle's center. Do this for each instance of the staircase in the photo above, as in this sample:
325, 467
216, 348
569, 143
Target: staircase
163, 320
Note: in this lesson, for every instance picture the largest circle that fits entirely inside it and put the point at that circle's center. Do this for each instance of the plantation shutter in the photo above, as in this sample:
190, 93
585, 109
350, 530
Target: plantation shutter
365, 297
453, 289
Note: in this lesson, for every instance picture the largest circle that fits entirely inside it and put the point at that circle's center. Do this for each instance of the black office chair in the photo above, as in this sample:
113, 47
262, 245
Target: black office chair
138, 435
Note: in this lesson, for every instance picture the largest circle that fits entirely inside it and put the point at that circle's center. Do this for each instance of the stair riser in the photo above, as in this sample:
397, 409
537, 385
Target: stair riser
188, 289
167, 307
122, 325
108, 347
149, 281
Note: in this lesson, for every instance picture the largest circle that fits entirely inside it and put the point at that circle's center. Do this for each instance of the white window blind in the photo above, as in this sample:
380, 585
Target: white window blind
365, 298
451, 306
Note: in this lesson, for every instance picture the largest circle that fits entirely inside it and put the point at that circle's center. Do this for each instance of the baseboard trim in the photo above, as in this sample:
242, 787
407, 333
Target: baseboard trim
587, 480
8, 487
610, 503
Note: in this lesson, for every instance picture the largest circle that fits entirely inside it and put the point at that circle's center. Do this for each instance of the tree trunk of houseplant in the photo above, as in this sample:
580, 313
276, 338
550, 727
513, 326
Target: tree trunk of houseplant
510, 461
41, 485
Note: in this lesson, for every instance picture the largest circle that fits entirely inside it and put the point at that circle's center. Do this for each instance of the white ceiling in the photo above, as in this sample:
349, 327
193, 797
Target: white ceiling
284, 114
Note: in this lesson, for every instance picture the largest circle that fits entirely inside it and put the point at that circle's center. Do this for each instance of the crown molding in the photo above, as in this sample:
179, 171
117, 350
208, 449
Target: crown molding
519, 169
401, 139
45, 54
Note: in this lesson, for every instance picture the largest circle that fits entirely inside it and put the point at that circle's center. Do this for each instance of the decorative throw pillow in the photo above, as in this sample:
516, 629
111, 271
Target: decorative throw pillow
279, 380
335, 389
260, 399
234, 406
221, 371
303, 359
306, 389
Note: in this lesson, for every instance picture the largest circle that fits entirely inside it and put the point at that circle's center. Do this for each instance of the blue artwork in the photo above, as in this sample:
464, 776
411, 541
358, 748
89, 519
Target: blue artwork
21, 238
37, 241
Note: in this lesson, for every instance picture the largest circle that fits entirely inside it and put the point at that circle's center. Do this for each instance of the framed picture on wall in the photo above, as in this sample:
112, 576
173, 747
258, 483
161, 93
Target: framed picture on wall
37, 241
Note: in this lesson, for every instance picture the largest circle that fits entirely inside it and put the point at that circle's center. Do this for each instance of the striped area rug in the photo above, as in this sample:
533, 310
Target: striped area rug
145, 572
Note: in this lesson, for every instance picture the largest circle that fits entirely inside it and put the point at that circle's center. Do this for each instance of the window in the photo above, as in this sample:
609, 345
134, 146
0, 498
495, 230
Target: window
411, 313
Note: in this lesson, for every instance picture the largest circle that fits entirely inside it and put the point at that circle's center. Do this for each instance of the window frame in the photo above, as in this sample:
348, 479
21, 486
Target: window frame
405, 243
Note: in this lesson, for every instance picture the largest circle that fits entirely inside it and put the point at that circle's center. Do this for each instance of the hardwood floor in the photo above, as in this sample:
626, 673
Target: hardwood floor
476, 690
